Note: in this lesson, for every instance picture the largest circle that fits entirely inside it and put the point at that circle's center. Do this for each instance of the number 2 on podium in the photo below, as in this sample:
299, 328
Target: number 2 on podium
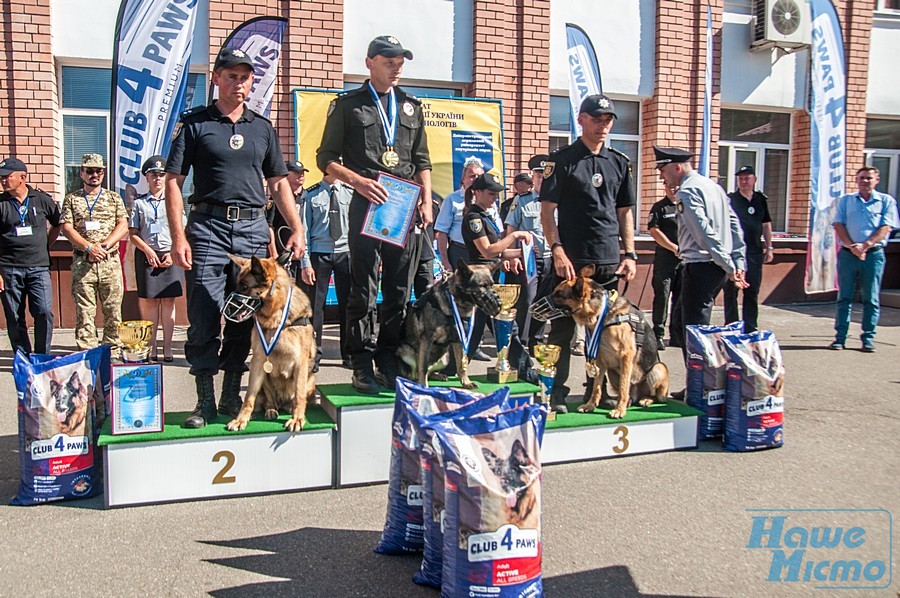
221, 477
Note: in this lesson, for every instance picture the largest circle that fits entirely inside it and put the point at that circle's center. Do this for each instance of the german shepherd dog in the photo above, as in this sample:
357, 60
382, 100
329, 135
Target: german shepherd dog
291, 382
431, 327
69, 406
632, 364
516, 475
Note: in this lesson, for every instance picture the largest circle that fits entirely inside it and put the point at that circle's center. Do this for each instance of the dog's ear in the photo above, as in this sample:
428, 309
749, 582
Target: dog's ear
578, 287
462, 269
256, 267
492, 460
588, 271
238, 261
54, 386
495, 267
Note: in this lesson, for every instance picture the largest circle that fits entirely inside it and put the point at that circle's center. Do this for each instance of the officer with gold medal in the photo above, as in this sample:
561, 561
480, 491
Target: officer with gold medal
377, 128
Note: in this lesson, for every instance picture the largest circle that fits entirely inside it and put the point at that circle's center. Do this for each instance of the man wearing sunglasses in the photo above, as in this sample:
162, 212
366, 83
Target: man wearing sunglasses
94, 220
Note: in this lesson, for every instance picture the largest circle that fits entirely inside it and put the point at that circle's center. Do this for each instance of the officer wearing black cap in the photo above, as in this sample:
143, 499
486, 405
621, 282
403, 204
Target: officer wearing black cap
25, 240
526, 215
666, 279
588, 187
296, 176
752, 209
523, 184
710, 241
231, 150
377, 128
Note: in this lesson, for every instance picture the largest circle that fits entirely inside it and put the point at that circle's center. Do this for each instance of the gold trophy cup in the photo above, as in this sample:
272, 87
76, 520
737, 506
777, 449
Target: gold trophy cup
503, 323
134, 335
546, 357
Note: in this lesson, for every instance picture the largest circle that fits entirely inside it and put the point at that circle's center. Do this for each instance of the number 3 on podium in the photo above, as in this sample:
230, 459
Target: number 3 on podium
622, 431
228, 456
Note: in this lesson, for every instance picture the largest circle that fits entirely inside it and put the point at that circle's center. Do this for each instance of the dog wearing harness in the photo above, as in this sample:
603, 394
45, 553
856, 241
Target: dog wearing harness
627, 354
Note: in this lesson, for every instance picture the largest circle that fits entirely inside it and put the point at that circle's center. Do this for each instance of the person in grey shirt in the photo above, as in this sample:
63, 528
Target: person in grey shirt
326, 217
710, 239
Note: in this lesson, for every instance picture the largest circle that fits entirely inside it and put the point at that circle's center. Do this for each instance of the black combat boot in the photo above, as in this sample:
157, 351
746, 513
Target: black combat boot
364, 381
205, 411
230, 401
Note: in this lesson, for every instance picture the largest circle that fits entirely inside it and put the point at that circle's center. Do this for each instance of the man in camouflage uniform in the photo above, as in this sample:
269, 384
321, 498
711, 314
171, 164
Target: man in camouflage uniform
94, 220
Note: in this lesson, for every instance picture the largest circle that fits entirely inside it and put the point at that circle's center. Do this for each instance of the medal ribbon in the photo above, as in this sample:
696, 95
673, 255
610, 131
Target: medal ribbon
267, 347
464, 337
388, 125
593, 344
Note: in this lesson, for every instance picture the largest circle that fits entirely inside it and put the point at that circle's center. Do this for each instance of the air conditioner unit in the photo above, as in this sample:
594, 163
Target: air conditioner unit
780, 24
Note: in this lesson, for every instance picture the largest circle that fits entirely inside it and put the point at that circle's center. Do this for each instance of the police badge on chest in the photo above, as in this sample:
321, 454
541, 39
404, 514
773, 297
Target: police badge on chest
236, 142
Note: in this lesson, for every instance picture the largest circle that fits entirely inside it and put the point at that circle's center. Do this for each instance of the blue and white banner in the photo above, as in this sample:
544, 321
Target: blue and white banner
703, 162
151, 56
584, 72
260, 38
827, 145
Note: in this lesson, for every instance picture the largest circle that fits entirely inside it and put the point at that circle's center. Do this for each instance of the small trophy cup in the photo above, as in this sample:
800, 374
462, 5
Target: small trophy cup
134, 335
503, 323
546, 356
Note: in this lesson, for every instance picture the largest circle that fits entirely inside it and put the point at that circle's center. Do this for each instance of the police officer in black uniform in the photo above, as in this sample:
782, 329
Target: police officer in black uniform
666, 268
377, 128
231, 150
588, 186
296, 177
752, 209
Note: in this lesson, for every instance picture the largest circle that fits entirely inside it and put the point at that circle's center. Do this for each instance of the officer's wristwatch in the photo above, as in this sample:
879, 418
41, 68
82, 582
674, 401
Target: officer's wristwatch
631, 255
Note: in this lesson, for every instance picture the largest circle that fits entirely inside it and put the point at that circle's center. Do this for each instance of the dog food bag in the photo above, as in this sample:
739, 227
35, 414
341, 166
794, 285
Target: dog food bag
403, 529
706, 375
433, 478
56, 427
492, 491
754, 399
102, 391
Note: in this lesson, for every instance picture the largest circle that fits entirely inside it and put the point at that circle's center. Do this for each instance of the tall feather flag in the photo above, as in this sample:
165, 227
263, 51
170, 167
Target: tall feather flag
259, 38
827, 144
584, 72
703, 162
151, 57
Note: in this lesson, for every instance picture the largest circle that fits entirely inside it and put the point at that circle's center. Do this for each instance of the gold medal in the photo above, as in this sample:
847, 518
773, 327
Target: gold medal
390, 158
591, 369
465, 362
268, 367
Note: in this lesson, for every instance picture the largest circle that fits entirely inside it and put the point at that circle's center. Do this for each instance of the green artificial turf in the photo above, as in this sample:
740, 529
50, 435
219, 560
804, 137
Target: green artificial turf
600, 417
343, 395
316, 419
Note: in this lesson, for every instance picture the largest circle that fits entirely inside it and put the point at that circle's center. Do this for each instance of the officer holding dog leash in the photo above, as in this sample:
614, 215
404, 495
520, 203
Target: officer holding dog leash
588, 187
231, 149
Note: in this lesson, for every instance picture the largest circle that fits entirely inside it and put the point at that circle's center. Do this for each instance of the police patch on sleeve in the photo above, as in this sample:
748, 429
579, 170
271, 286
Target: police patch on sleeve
331, 107
176, 130
475, 225
549, 168
680, 207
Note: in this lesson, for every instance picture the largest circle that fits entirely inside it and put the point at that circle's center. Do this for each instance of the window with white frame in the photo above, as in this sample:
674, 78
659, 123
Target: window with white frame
883, 152
625, 135
85, 109
888, 5
761, 140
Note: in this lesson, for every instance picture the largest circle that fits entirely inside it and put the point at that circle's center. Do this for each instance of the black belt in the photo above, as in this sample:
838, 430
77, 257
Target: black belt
869, 250
229, 213
454, 243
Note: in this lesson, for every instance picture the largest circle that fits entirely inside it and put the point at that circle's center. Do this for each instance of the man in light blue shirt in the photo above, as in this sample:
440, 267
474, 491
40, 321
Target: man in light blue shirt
447, 225
862, 223
328, 252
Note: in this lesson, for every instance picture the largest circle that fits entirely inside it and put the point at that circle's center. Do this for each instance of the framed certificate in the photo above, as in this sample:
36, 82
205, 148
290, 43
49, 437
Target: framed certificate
137, 400
390, 222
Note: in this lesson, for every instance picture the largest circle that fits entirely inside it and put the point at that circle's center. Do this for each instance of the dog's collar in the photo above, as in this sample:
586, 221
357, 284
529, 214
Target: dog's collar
301, 321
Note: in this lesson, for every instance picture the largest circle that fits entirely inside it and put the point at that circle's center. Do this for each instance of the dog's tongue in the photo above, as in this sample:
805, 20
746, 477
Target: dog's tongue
61, 416
511, 500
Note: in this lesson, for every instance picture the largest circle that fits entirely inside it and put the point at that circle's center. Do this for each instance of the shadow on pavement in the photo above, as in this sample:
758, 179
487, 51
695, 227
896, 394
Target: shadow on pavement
335, 562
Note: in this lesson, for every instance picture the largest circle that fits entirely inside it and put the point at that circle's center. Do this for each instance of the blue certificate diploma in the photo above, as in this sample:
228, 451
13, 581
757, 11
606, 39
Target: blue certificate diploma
390, 222
529, 261
137, 404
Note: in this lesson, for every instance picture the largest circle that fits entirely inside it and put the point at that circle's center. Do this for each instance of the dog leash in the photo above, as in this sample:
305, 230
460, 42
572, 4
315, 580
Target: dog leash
464, 337
593, 344
268, 347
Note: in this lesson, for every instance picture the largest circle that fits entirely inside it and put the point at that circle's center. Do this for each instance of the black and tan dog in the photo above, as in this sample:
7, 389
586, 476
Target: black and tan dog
632, 363
431, 326
283, 379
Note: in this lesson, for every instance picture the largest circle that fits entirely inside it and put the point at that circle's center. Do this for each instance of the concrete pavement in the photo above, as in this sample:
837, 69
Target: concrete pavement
666, 524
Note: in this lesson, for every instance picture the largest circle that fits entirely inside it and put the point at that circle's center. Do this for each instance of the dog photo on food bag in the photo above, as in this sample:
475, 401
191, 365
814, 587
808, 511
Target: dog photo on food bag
515, 473
431, 324
628, 352
281, 377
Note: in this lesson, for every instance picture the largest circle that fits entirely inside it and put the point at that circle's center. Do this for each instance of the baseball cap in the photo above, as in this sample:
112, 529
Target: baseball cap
387, 46
296, 166
92, 161
745, 170
489, 181
596, 105
154, 164
523, 177
670, 155
11, 165
230, 57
